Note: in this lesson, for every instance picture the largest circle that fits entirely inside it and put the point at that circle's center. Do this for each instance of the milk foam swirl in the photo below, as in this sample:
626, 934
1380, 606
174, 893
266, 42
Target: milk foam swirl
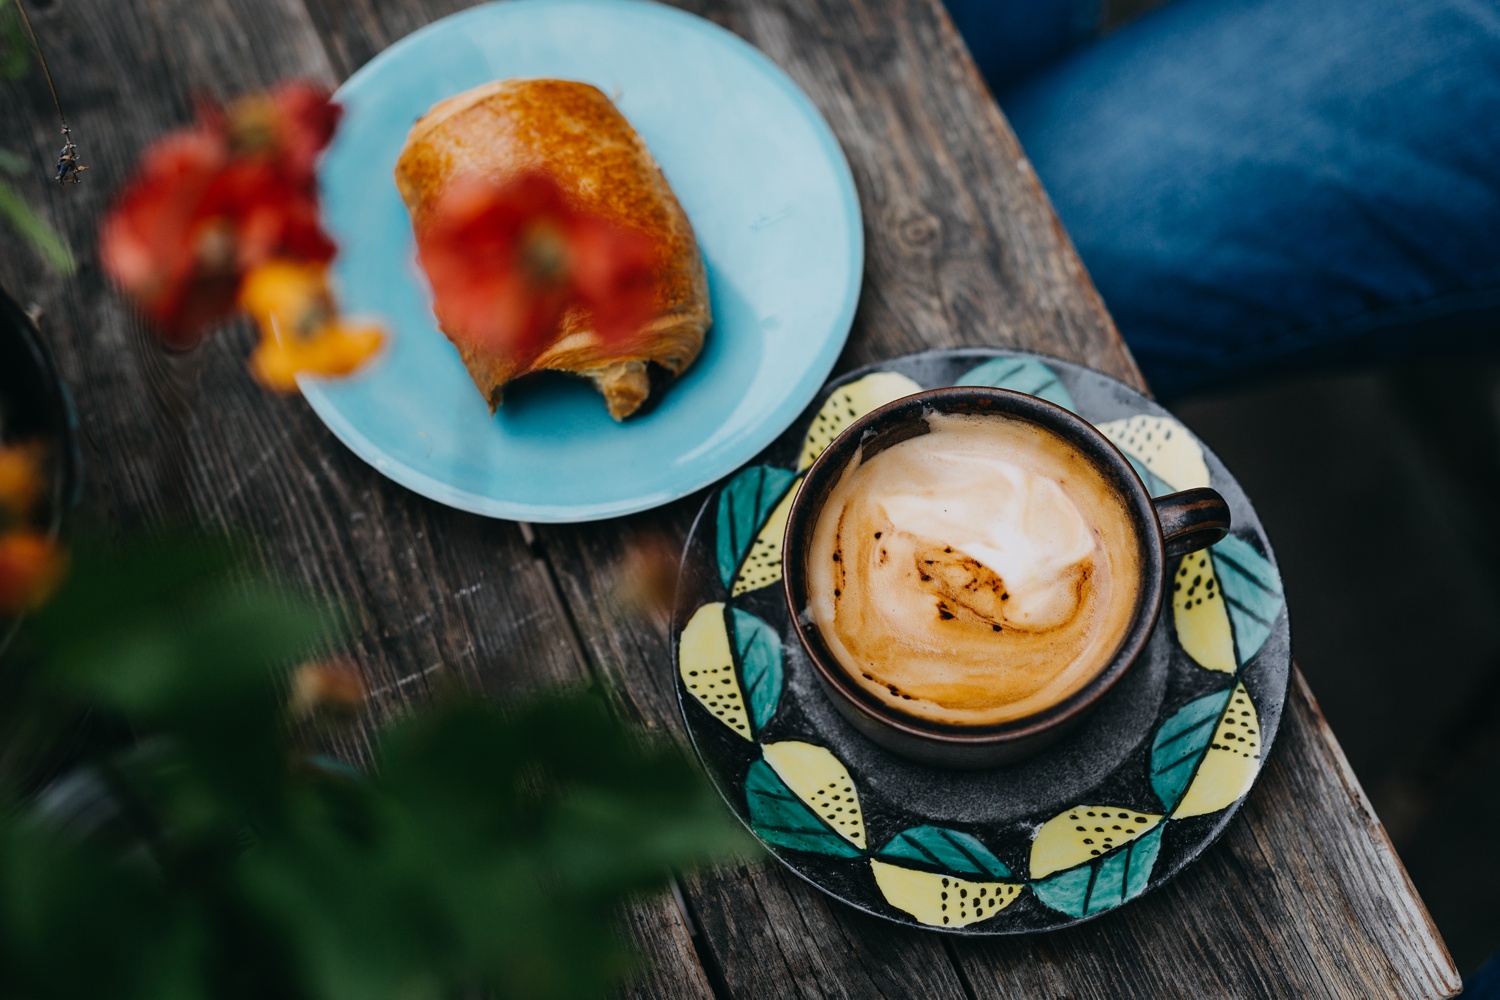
975, 574
1004, 523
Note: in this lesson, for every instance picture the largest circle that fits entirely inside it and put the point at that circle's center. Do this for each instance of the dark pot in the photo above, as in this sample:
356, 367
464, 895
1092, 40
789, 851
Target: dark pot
35, 406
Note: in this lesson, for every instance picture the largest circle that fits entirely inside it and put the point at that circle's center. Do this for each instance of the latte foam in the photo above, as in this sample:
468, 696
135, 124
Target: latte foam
976, 574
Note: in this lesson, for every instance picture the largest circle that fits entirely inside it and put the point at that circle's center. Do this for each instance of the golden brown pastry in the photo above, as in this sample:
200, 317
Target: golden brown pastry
575, 134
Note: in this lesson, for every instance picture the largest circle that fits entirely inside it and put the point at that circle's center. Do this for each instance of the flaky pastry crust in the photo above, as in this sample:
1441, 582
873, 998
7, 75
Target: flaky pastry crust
574, 133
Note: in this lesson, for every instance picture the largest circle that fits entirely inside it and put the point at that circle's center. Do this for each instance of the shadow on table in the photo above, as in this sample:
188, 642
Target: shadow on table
1379, 491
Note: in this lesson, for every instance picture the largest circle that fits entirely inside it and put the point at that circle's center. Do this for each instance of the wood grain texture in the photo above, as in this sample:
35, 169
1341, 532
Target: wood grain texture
1303, 897
793, 941
436, 594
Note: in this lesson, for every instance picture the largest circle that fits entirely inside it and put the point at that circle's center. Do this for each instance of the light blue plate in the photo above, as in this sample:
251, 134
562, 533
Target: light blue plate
770, 197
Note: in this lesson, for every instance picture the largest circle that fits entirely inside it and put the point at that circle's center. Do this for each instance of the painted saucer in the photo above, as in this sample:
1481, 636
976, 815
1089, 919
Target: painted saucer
1148, 781
771, 200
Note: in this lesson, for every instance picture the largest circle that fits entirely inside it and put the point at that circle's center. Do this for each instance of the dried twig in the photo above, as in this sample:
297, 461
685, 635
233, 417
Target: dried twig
69, 169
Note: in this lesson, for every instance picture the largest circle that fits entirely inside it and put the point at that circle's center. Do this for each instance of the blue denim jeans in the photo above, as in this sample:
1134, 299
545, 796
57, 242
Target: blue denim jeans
1484, 984
1262, 185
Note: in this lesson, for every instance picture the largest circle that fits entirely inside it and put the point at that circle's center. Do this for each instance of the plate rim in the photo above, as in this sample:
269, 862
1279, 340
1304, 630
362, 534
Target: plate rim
773, 421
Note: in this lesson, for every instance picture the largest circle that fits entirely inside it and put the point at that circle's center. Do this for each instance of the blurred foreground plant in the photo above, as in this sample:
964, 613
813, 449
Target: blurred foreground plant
16, 46
507, 260
31, 560
26, 223
223, 216
194, 849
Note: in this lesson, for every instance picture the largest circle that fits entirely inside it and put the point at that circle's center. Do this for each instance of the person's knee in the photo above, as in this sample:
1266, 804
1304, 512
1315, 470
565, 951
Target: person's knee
1245, 178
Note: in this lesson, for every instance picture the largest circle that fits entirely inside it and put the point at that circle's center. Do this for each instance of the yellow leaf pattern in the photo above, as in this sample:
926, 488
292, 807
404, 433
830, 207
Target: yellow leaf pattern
707, 668
942, 900
1201, 615
1162, 445
1084, 833
847, 404
1233, 758
763, 565
820, 781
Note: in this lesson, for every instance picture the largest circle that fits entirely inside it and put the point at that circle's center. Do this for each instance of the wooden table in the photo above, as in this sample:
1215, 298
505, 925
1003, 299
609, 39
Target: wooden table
1302, 898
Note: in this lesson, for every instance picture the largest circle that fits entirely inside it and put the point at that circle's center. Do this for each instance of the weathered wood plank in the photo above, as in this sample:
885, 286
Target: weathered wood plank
437, 594
1303, 897
792, 941
193, 435
963, 249
632, 662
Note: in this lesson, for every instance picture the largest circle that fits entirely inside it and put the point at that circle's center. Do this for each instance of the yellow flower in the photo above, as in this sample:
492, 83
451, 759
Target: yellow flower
301, 332
336, 349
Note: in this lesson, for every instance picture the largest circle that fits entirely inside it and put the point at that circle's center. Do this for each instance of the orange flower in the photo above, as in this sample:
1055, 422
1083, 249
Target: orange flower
21, 479
507, 260
301, 332
328, 685
336, 349
648, 583
211, 202
31, 567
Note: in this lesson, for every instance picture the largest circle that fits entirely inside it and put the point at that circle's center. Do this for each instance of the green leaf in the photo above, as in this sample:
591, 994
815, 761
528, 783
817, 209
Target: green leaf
759, 648
175, 627
1104, 884
779, 817
1181, 743
948, 850
34, 230
1252, 592
746, 502
61, 898
1026, 375
15, 46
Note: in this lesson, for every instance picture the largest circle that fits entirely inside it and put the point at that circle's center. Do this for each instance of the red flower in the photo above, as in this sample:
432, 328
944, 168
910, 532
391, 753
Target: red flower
303, 120
211, 202
507, 260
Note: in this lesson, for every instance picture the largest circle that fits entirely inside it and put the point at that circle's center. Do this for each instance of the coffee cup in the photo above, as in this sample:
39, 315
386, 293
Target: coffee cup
971, 569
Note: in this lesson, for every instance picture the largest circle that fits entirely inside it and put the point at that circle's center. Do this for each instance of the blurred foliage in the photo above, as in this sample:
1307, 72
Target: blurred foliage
192, 849
15, 63
15, 46
32, 228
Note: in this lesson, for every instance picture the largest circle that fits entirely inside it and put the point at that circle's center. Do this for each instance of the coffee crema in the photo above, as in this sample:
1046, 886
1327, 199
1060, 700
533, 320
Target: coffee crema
976, 574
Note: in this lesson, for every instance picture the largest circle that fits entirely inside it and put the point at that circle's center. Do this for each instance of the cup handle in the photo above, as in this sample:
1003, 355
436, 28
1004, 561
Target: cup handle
1191, 520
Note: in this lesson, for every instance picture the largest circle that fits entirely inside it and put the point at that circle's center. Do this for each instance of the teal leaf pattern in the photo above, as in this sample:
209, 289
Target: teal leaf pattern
1252, 592
1104, 884
747, 500
1154, 484
949, 850
759, 650
1254, 599
779, 817
1026, 375
1181, 743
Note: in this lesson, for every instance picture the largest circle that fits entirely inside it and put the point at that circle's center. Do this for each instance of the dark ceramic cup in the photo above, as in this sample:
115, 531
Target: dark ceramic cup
1165, 527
